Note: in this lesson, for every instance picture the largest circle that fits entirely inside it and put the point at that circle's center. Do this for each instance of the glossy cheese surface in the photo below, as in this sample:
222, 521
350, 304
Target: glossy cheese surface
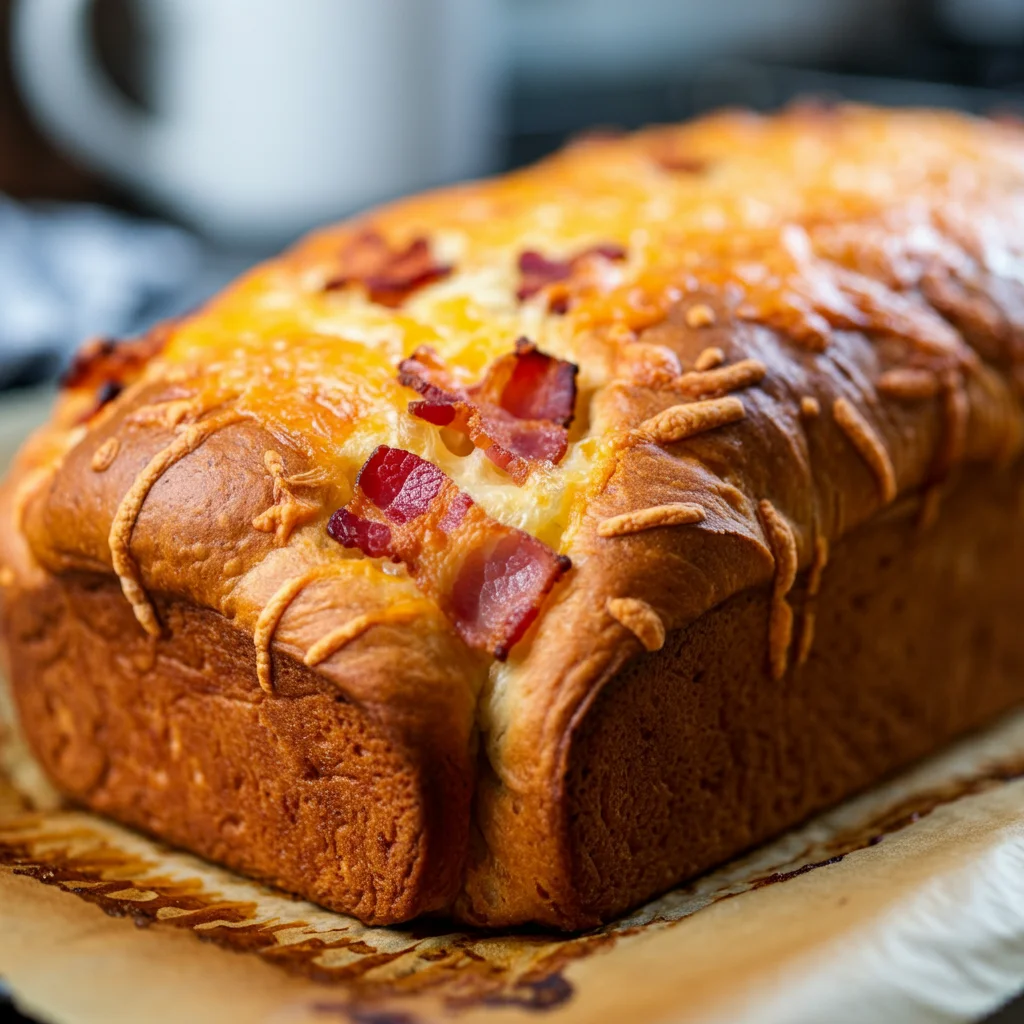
760, 206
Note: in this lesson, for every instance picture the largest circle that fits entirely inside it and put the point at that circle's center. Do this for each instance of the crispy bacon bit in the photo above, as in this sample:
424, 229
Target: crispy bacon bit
107, 366
671, 154
684, 164
518, 414
105, 393
90, 363
489, 579
539, 387
106, 363
351, 531
538, 272
108, 391
389, 275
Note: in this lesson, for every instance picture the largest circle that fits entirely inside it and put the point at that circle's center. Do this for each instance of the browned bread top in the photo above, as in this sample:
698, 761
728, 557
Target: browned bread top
780, 325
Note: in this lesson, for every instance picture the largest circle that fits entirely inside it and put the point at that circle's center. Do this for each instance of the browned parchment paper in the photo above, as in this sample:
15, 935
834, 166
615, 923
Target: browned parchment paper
906, 904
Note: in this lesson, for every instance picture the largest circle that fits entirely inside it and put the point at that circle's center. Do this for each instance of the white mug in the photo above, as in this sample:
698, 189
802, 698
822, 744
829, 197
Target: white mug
272, 115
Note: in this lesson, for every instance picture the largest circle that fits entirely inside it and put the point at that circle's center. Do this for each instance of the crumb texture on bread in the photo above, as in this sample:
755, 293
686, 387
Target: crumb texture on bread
773, 332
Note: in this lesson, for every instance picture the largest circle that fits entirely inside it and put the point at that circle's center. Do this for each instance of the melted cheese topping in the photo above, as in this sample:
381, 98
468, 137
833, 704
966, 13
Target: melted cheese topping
762, 203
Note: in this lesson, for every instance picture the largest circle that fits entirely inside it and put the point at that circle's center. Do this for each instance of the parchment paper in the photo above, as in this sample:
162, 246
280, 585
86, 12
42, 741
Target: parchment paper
906, 904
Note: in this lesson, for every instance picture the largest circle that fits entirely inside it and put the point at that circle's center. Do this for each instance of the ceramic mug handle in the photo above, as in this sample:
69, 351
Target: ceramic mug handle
66, 87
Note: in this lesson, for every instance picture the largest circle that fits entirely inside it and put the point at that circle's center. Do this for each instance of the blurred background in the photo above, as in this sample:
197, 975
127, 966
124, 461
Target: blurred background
152, 149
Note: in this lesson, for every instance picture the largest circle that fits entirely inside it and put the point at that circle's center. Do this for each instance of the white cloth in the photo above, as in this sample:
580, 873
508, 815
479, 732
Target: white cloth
71, 271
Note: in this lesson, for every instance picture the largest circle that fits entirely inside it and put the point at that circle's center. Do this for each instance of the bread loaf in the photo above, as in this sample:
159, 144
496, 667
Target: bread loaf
518, 551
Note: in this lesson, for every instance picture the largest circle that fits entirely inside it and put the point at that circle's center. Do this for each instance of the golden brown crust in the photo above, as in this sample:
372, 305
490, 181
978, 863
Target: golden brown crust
694, 753
355, 808
127, 514
385, 694
784, 368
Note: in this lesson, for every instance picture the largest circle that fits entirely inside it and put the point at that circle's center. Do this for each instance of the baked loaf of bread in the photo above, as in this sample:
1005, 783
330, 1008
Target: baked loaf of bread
518, 551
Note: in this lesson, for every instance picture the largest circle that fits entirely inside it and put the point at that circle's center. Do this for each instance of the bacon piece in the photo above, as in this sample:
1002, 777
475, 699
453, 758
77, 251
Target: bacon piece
104, 361
402, 485
538, 272
389, 275
518, 414
105, 393
539, 387
108, 366
350, 531
681, 163
674, 154
487, 578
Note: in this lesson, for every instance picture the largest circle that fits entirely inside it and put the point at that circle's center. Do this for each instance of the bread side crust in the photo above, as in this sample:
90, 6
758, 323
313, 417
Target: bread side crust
690, 755
347, 804
347, 782
679, 759
774, 456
